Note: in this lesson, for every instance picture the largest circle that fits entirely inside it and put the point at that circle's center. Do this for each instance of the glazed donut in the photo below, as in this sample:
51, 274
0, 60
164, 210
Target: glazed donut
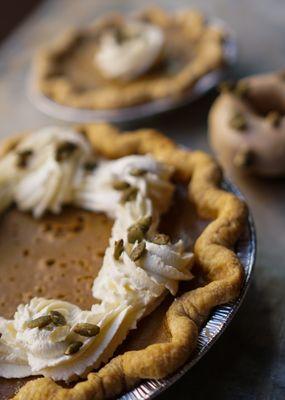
247, 125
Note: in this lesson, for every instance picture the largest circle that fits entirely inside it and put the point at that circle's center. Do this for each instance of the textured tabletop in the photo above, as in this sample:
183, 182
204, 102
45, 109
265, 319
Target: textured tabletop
248, 361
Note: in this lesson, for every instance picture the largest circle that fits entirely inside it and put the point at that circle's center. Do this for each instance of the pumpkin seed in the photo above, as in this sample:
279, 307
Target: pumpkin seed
120, 185
39, 322
135, 233
118, 248
89, 166
160, 238
241, 89
49, 328
57, 318
137, 171
274, 118
238, 122
23, 158
244, 158
86, 329
129, 194
145, 223
73, 348
138, 251
226, 87
64, 151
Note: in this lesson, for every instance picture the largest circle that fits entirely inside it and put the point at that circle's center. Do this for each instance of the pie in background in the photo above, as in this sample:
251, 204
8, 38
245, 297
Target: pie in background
121, 61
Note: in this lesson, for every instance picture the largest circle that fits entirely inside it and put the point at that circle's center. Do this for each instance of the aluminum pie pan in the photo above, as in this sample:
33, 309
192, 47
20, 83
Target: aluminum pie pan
218, 321
77, 115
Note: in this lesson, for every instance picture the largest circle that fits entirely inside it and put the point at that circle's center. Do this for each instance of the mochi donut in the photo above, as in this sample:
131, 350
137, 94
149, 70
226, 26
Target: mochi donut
247, 125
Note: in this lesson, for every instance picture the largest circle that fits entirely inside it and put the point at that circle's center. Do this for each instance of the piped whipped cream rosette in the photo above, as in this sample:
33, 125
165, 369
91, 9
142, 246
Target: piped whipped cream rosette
129, 50
113, 183
48, 334
39, 172
141, 266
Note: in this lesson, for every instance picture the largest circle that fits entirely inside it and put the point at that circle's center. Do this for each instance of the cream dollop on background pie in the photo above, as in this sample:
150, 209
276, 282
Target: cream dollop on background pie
121, 61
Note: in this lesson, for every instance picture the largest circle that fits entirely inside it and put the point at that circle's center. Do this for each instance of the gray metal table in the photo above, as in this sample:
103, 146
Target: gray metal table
248, 362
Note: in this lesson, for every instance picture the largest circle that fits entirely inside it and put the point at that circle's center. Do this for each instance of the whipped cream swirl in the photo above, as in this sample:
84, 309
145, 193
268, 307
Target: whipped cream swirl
46, 170
129, 51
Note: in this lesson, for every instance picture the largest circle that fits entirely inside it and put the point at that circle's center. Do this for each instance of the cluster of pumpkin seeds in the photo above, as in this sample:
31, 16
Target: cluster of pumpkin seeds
54, 319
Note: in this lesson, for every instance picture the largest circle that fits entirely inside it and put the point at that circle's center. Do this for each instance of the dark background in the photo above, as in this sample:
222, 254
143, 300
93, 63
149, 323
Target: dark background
13, 12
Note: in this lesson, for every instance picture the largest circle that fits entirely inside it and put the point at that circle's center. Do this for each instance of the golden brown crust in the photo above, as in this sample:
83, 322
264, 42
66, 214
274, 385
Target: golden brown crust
220, 265
259, 146
205, 40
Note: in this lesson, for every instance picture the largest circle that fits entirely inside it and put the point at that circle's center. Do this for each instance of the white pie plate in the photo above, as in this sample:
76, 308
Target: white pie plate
218, 321
70, 114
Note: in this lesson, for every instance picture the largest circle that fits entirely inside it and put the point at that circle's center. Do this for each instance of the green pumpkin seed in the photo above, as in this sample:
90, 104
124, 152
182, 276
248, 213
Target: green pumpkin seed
145, 223
73, 348
39, 322
244, 158
160, 238
57, 318
274, 118
120, 185
137, 172
86, 329
23, 158
138, 251
226, 87
89, 166
135, 233
65, 150
129, 194
238, 122
241, 89
118, 248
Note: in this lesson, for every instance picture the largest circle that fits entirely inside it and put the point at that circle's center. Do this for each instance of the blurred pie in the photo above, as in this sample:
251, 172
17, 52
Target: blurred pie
122, 61
87, 304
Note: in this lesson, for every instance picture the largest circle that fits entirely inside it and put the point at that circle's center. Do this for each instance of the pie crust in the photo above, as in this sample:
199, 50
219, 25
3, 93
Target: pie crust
66, 73
213, 253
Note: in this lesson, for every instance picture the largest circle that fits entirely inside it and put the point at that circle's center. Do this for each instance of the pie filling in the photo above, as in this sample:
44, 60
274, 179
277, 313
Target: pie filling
55, 167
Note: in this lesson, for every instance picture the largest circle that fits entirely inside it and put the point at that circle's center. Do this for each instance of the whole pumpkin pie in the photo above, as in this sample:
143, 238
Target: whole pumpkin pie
121, 61
108, 270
